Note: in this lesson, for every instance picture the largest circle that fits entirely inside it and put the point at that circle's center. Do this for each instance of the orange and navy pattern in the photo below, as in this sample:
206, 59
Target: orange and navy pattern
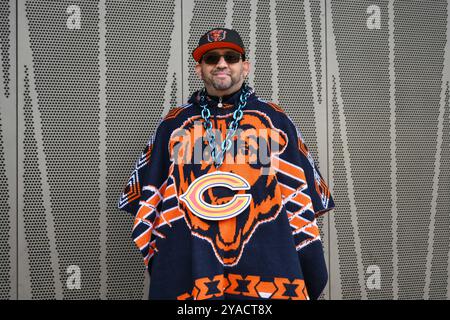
247, 286
298, 204
273, 229
320, 185
174, 112
133, 188
276, 107
228, 238
157, 211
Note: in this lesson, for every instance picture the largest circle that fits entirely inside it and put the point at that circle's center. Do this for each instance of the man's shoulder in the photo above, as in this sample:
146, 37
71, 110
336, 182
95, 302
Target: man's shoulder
278, 116
172, 119
175, 111
270, 106
273, 110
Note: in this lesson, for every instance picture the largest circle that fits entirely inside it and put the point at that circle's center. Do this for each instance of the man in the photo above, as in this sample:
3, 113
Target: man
226, 196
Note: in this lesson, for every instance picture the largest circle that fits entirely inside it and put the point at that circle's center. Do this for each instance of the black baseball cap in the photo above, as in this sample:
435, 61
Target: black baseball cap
218, 38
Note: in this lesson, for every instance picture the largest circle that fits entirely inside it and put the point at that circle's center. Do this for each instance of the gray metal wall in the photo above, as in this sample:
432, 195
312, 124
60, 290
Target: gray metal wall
84, 84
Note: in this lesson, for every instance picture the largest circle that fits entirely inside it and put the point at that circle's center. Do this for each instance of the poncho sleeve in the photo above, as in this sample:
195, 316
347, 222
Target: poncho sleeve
142, 194
321, 198
306, 196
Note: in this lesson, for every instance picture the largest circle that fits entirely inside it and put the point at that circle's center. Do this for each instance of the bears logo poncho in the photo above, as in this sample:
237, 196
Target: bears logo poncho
245, 230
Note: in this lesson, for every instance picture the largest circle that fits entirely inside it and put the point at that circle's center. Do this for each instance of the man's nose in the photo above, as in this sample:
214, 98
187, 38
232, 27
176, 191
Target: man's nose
222, 63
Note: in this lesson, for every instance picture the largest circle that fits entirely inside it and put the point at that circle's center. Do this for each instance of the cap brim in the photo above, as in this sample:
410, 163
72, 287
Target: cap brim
200, 51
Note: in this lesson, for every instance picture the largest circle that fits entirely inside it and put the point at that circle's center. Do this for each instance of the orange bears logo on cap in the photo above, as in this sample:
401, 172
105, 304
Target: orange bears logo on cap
216, 35
218, 38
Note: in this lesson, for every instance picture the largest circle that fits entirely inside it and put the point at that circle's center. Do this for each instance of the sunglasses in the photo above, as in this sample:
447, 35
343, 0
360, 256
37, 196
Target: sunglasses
214, 58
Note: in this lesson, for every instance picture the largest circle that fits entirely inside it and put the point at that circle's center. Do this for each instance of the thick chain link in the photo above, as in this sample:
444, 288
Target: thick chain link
216, 155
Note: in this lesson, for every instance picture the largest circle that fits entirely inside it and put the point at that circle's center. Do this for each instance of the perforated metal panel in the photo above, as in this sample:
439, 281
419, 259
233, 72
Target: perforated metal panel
439, 276
318, 29
388, 164
295, 81
439, 263
372, 104
263, 67
347, 274
365, 92
5, 228
420, 38
67, 96
8, 224
137, 56
5, 35
34, 214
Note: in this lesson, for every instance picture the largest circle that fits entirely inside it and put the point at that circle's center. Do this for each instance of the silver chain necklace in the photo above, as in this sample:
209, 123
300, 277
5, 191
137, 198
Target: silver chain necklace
216, 155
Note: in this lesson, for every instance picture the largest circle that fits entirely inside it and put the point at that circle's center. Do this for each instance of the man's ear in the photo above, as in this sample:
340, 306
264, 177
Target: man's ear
246, 68
198, 71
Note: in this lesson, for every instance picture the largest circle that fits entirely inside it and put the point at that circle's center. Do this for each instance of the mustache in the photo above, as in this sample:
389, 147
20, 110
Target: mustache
221, 71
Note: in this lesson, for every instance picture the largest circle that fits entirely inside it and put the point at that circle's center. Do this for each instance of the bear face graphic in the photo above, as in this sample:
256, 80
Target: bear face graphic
255, 144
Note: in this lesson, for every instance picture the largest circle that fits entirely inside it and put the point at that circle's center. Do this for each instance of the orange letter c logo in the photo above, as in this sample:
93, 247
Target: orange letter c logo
194, 200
